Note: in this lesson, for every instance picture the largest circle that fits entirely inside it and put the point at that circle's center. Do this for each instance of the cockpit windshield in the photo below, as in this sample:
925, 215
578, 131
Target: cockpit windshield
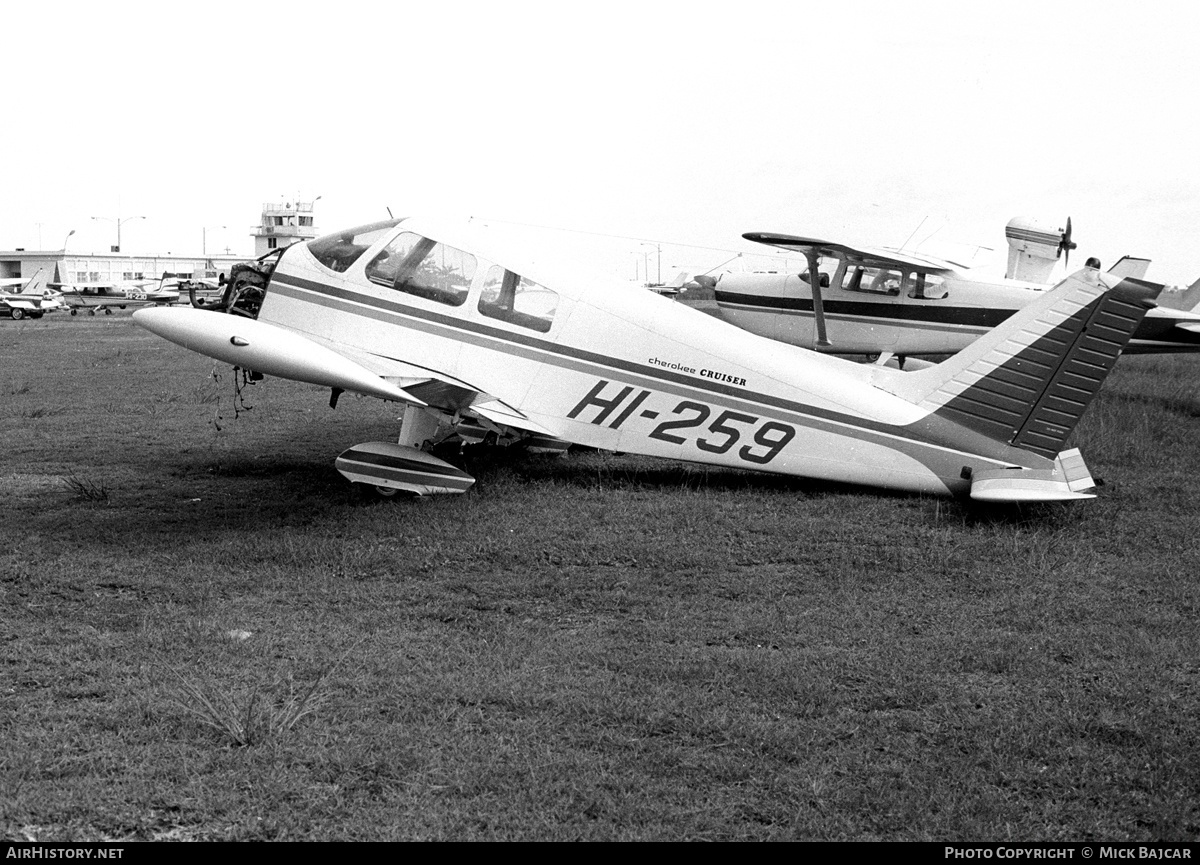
423, 267
339, 251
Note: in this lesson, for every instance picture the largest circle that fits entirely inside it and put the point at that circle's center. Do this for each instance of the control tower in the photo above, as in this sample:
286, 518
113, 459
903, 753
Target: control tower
283, 223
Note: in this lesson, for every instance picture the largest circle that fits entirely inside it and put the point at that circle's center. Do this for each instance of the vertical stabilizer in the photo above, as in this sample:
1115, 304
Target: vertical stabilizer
1028, 382
1129, 266
37, 283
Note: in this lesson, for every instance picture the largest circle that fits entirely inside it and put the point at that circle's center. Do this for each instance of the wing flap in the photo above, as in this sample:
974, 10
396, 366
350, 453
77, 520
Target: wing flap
505, 415
435, 388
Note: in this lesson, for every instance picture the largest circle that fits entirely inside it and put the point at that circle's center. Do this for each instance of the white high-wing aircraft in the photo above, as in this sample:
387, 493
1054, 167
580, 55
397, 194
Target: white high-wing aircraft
476, 340
91, 296
893, 303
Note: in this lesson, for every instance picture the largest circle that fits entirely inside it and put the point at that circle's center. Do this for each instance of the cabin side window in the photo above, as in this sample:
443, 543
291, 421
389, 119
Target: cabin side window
509, 297
339, 251
926, 286
876, 280
423, 267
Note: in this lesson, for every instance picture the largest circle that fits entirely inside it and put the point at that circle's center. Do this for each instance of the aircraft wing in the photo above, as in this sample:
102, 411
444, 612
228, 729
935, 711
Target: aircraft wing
272, 350
867, 256
81, 287
432, 387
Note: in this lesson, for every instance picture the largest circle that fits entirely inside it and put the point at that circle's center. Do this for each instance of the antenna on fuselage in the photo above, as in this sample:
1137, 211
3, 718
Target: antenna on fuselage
389, 210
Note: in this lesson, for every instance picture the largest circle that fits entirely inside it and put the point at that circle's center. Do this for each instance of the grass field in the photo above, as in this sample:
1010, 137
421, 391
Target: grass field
204, 634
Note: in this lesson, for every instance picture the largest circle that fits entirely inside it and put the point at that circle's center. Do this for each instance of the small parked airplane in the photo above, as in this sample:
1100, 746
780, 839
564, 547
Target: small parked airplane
29, 298
478, 340
893, 303
91, 296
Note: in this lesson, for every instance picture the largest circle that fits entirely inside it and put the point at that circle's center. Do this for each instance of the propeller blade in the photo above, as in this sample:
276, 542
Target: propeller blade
1065, 245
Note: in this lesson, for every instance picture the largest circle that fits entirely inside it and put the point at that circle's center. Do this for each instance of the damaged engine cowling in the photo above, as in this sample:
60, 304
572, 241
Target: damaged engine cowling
244, 288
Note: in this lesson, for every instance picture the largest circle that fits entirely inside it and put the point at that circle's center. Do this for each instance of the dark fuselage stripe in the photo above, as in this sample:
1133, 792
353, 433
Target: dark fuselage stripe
580, 360
958, 315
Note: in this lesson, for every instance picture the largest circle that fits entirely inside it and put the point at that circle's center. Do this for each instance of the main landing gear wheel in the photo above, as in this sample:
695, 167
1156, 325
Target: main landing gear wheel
91, 312
74, 312
385, 492
108, 310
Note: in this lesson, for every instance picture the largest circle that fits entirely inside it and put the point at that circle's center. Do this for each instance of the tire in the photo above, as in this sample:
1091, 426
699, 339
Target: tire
18, 314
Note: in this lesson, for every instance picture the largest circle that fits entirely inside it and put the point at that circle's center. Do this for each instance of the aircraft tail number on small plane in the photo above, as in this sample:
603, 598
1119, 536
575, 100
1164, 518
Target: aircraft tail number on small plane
764, 440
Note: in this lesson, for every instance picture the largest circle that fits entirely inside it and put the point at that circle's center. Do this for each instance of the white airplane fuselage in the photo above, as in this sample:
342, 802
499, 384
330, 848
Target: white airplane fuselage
626, 370
780, 306
478, 340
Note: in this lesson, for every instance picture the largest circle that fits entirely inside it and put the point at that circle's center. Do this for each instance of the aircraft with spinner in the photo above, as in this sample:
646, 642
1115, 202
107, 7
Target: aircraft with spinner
479, 340
892, 303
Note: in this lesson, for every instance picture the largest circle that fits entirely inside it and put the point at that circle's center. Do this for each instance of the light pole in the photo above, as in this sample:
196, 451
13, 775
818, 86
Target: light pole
204, 237
119, 222
68, 237
658, 250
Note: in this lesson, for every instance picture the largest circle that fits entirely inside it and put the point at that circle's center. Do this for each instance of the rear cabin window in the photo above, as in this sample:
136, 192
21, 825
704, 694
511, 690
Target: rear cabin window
926, 286
339, 251
423, 267
509, 297
873, 279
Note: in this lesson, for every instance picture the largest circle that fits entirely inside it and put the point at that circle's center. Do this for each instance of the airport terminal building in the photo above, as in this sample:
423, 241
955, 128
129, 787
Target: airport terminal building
282, 224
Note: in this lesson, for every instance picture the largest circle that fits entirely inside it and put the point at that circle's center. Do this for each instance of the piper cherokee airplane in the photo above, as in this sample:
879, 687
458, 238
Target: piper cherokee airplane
476, 339
892, 303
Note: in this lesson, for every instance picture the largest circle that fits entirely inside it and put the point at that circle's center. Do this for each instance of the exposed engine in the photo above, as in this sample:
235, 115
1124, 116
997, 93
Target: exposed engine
244, 288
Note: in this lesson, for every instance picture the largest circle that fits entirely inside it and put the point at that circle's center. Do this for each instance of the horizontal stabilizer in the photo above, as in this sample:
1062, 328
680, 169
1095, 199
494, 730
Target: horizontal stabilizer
1069, 479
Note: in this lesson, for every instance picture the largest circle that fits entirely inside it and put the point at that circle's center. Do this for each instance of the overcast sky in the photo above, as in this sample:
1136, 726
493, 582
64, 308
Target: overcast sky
669, 121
